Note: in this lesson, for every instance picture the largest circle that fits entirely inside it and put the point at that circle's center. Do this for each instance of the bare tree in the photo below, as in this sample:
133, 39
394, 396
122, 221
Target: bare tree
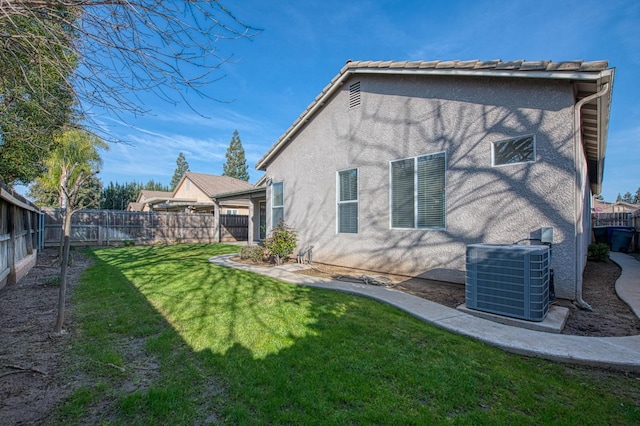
121, 48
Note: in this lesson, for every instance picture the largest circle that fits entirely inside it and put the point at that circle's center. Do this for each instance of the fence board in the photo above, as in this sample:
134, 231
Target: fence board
109, 227
234, 227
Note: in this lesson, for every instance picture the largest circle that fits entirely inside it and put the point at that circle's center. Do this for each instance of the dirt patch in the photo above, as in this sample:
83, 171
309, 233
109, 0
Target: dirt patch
31, 354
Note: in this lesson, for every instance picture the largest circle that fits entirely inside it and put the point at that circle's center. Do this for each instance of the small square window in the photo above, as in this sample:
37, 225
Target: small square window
514, 151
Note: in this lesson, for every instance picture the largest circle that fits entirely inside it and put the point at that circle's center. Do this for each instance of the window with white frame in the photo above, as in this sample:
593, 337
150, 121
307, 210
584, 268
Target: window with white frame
232, 211
513, 151
418, 192
277, 204
348, 201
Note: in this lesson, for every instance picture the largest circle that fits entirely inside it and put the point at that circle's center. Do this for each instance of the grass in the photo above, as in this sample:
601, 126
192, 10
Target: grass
165, 337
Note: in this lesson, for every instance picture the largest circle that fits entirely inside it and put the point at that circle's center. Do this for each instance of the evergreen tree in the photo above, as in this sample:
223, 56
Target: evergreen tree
118, 196
236, 165
152, 185
181, 168
627, 198
636, 198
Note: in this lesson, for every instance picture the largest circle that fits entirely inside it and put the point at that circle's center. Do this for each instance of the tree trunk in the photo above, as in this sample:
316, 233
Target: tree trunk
63, 269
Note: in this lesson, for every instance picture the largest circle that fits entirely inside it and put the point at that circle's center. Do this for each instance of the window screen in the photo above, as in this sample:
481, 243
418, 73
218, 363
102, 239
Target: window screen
418, 192
277, 204
348, 201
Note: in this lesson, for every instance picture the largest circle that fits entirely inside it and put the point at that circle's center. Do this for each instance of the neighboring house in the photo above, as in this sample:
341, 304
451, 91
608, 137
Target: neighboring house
141, 202
600, 206
398, 166
195, 193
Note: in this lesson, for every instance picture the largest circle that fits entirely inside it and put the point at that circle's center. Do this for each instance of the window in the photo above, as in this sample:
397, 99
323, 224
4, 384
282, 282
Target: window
348, 201
277, 204
513, 151
232, 211
418, 192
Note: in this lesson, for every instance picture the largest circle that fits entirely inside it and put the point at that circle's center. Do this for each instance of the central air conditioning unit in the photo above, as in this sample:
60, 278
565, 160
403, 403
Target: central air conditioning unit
510, 280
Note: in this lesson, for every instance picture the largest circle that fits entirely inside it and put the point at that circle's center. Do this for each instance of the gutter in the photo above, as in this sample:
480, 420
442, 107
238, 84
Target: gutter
577, 152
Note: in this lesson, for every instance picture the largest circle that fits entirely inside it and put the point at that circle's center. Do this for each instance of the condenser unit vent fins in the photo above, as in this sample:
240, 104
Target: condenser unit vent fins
508, 280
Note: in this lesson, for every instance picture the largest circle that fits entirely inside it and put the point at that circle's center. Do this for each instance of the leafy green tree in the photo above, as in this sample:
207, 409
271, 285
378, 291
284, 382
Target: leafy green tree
36, 97
182, 167
627, 198
636, 198
236, 164
70, 167
90, 194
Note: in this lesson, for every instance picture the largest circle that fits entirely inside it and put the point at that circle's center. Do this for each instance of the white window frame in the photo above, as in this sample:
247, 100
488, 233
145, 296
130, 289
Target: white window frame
340, 202
273, 205
516, 138
415, 193
232, 211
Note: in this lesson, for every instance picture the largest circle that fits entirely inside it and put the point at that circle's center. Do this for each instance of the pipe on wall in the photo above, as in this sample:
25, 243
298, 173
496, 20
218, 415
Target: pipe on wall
579, 209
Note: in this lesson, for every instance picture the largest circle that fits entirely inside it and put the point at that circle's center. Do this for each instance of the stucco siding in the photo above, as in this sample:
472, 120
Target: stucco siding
402, 117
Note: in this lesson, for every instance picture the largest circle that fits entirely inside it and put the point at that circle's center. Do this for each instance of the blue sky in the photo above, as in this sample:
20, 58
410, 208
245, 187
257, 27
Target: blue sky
304, 44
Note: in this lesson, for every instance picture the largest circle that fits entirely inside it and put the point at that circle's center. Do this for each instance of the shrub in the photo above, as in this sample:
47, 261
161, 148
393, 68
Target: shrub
281, 242
598, 252
252, 253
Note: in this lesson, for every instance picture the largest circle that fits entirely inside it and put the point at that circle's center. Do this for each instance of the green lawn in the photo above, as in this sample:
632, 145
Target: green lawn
165, 337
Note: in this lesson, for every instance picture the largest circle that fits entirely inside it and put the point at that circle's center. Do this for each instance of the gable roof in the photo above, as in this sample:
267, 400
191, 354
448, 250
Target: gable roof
145, 194
213, 184
589, 78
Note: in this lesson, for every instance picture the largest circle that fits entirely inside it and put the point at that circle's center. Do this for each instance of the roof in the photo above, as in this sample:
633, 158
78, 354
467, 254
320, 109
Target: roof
213, 184
255, 192
135, 207
145, 194
589, 78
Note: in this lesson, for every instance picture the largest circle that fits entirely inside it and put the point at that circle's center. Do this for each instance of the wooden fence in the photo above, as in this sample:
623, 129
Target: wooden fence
234, 227
20, 236
612, 219
114, 227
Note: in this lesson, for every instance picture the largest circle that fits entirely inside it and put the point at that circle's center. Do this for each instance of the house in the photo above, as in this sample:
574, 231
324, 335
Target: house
600, 206
398, 166
195, 193
140, 204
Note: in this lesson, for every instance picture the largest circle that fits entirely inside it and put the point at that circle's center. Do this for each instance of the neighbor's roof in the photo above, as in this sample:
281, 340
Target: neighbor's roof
145, 194
213, 184
588, 77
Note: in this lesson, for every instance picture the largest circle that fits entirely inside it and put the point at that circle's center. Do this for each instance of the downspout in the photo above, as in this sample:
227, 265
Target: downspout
579, 208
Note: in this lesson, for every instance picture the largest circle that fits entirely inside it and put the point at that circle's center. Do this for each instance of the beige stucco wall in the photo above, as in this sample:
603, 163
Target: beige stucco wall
406, 116
188, 190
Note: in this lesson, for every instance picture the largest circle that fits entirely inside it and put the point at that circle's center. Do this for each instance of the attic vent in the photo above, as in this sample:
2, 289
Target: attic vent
354, 95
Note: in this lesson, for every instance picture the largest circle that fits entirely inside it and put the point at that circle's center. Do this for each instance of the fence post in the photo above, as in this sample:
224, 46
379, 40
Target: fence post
11, 247
106, 228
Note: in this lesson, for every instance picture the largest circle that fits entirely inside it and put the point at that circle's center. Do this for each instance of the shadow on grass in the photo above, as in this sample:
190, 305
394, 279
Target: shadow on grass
167, 337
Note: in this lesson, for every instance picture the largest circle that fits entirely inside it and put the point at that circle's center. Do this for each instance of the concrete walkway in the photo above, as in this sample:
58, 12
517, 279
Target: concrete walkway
622, 353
